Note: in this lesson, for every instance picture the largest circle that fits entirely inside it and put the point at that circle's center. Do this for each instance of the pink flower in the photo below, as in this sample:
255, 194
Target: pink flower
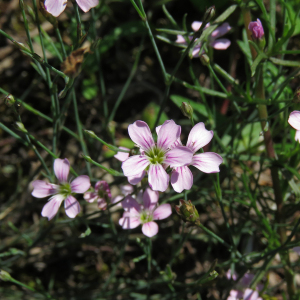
155, 157
56, 7
125, 190
213, 39
122, 156
256, 29
182, 177
64, 191
144, 211
101, 193
294, 121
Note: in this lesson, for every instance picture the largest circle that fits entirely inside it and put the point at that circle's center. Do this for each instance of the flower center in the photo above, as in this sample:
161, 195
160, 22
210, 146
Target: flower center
65, 189
156, 155
146, 216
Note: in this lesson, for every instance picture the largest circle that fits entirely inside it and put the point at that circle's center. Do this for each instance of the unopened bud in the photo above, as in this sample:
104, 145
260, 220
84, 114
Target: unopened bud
257, 32
209, 14
5, 276
187, 110
21, 46
9, 100
20, 126
188, 212
90, 133
204, 59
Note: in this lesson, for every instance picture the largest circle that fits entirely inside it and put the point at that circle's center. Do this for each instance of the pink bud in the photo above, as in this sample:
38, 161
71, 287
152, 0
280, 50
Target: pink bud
256, 29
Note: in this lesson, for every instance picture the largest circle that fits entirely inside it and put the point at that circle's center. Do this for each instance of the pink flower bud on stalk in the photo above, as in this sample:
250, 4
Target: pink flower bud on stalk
209, 14
204, 59
5, 276
257, 32
9, 100
188, 212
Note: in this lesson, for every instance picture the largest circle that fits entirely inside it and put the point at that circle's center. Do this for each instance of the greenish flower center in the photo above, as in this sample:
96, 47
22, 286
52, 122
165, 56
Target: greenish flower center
146, 216
156, 155
65, 189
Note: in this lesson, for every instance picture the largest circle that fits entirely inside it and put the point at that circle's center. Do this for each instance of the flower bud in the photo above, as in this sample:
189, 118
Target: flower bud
9, 100
257, 32
5, 276
187, 110
90, 133
204, 59
188, 212
209, 14
20, 126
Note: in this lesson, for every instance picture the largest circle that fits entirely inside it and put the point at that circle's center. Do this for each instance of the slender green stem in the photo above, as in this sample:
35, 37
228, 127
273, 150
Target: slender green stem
149, 258
61, 43
78, 20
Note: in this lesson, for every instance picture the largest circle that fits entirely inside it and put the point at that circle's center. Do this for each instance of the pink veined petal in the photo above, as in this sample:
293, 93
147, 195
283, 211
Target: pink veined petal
72, 207
127, 189
90, 196
175, 144
294, 119
129, 222
181, 179
221, 30
162, 212
135, 165
50, 209
135, 179
131, 205
122, 156
43, 189
207, 162
55, 7
150, 199
178, 157
150, 229
80, 184
220, 44
158, 178
199, 137
250, 295
297, 136
101, 204
196, 25
180, 40
140, 133
86, 5
117, 199
139, 197
61, 169
168, 134
196, 51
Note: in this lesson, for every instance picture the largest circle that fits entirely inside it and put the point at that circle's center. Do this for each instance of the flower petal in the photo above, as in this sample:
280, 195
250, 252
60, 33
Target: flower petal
135, 165
80, 184
72, 206
122, 156
196, 25
90, 196
61, 169
55, 7
117, 199
178, 157
43, 189
150, 199
51, 208
150, 229
221, 30
168, 134
140, 133
196, 51
250, 295
294, 119
130, 204
135, 179
220, 44
86, 5
162, 212
158, 178
199, 137
181, 179
207, 162
129, 222
127, 189
180, 39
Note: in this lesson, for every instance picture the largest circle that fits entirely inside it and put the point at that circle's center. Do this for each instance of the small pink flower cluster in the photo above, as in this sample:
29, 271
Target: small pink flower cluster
155, 158
213, 39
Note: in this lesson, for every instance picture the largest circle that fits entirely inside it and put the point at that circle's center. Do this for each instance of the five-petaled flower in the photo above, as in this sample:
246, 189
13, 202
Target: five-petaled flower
64, 191
294, 121
144, 211
155, 157
56, 7
208, 162
256, 29
213, 39
101, 193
